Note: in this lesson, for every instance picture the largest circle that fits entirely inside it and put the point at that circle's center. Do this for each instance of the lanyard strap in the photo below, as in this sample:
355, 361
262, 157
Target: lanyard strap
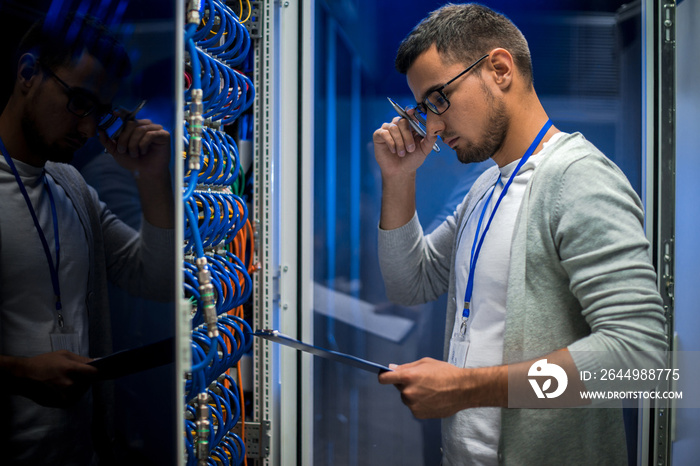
479, 240
52, 268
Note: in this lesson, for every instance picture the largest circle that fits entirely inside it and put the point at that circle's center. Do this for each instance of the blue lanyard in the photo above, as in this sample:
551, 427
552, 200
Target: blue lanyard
479, 240
52, 268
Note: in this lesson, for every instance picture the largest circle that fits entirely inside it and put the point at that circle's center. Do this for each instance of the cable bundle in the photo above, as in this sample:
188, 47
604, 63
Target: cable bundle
229, 291
221, 216
218, 236
220, 106
224, 413
222, 35
235, 339
215, 46
221, 163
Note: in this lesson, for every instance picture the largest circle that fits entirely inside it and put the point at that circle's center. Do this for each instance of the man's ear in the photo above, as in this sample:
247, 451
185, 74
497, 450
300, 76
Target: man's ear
27, 70
503, 66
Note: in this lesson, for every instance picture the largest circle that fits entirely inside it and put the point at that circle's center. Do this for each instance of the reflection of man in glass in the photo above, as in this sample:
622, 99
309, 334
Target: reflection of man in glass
59, 245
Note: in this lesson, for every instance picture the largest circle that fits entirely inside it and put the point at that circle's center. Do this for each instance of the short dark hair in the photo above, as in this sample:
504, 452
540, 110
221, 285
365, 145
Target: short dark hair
59, 41
463, 33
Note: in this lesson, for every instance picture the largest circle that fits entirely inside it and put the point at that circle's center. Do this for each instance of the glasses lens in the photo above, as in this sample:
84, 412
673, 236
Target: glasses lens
80, 104
437, 102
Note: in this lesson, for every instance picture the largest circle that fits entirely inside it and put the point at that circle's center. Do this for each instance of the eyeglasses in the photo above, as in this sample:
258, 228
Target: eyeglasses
82, 103
437, 101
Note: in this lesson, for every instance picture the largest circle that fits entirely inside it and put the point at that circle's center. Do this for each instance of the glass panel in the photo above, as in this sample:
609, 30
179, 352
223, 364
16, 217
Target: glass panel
138, 410
686, 448
589, 82
146, 396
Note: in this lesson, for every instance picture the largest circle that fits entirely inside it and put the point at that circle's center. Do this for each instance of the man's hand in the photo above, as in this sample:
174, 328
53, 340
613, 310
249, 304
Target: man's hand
436, 389
57, 379
398, 149
143, 148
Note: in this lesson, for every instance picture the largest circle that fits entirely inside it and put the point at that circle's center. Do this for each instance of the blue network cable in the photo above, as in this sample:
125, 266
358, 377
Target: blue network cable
217, 281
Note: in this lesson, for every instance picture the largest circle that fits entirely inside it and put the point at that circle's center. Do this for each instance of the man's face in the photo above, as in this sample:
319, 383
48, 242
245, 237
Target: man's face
476, 123
51, 130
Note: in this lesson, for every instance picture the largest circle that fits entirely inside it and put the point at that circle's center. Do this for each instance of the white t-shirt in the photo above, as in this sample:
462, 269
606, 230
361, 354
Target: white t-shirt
472, 436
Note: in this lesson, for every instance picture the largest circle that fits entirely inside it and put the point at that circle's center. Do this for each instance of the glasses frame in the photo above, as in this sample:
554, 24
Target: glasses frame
426, 104
70, 92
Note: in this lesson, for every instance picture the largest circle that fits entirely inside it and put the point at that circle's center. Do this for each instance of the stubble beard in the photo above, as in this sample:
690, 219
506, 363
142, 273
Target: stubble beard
37, 142
492, 140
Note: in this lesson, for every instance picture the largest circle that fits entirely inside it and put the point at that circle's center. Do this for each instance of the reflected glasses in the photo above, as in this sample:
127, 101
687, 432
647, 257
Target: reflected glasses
437, 101
82, 103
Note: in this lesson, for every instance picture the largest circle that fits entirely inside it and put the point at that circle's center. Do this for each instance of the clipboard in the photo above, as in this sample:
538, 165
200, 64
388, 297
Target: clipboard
135, 360
277, 337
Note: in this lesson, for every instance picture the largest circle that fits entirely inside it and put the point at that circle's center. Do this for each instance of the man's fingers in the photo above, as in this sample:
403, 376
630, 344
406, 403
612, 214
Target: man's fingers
77, 364
397, 135
428, 142
155, 135
392, 377
383, 136
84, 369
74, 357
404, 135
109, 145
135, 139
407, 134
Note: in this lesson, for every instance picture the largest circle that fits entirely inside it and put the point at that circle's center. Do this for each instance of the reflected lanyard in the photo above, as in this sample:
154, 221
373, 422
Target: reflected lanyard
52, 268
479, 240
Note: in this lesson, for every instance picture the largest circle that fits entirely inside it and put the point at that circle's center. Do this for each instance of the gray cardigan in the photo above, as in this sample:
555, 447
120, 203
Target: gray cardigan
580, 277
143, 264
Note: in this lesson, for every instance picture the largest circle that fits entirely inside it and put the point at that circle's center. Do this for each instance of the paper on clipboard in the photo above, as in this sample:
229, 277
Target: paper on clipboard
277, 337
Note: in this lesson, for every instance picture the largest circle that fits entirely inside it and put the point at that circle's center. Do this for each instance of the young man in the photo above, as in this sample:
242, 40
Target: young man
59, 245
545, 258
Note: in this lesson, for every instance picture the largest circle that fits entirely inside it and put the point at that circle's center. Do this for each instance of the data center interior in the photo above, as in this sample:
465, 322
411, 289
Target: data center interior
293, 91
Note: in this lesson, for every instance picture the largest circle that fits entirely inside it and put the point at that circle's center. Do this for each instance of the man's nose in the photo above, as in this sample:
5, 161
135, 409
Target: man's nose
433, 124
87, 126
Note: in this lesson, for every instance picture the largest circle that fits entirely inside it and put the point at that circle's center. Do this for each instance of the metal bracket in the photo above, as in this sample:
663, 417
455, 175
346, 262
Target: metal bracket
667, 277
669, 28
254, 23
665, 155
257, 438
276, 293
